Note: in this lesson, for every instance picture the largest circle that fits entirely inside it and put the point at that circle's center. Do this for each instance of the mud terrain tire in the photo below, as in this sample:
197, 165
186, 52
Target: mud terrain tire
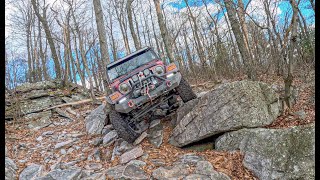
185, 92
122, 127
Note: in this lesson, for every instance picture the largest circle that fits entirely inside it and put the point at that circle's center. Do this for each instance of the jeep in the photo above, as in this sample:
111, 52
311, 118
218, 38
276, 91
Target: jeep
140, 82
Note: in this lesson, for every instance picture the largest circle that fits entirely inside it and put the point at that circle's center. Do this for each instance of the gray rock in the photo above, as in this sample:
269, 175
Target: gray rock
44, 120
229, 107
107, 129
95, 155
96, 120
47, 133
154, 123
190, 159
197, 176
301, 114
6, 151
206, 168
66, 174
134, 172
10, 169
158, 162
126, 172
202, 93
137, 163
156, 134
124, 146
96, 141
39, 138
175, 172
185, 109
95, 176
67, 165
63, 151
31, 171
35, 105
94, 166
274, 153
140, 138
35, 86
115, 172
64, 144
110, 137
130, 155
62, 113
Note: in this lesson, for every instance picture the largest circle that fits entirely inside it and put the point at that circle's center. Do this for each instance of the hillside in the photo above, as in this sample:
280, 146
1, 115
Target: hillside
54, 143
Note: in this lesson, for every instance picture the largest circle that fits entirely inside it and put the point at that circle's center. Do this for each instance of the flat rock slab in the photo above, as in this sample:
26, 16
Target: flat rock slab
110, 137
35, 105
95, 121
67, 174
130, 155
274, 153
155, 136
129, 171
173, 172
39, 120
64, 144
30, 172
140, 138
229, 107
34, 86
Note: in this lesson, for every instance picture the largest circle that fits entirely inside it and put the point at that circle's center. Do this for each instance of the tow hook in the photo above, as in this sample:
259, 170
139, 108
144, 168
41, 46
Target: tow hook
168, 84
130, 104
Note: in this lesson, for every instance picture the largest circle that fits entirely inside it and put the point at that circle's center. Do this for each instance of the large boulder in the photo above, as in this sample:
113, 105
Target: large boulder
28, 106
274, 153
95, 121
229, 107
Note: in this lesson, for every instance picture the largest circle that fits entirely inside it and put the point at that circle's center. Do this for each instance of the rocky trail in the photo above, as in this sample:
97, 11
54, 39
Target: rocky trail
232, 131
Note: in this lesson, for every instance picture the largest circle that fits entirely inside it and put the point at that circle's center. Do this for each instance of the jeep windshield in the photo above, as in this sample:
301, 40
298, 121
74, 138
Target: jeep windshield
130, 64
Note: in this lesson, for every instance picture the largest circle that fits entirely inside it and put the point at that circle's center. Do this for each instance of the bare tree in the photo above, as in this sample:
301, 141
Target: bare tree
231, 11
43, 19
130, 20
164, 32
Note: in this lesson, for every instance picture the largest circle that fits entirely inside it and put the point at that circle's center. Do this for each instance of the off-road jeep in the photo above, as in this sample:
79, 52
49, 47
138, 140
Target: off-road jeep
140, 82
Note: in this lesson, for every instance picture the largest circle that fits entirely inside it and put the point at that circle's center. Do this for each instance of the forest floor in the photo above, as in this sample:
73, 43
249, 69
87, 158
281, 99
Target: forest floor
229, 163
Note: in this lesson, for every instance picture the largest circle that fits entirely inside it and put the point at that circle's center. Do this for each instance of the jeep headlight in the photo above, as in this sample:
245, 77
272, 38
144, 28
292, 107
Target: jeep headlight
159, 70
124, 88
135, 78
146, 72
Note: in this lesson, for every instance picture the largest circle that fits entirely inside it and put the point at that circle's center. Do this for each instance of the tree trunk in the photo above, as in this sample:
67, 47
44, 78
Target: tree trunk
102, 37
45, 25
231, 11
131, 27
164, 31
289, 77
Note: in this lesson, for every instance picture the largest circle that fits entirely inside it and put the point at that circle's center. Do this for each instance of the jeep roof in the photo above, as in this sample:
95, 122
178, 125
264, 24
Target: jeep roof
114, 63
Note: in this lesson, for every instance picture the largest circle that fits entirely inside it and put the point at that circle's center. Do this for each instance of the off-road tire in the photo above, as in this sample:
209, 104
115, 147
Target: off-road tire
185, 92
122, 127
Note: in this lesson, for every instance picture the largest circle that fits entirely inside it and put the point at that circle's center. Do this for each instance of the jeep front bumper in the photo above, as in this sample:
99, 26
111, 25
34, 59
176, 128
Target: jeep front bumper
173, 78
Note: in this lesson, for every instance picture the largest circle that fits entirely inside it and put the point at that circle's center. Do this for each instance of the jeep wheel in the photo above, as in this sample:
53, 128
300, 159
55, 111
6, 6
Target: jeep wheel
185, 91
125, 131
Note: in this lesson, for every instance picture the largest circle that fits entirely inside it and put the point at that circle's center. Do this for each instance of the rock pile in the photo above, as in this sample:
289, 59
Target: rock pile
31, 100
233, 117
